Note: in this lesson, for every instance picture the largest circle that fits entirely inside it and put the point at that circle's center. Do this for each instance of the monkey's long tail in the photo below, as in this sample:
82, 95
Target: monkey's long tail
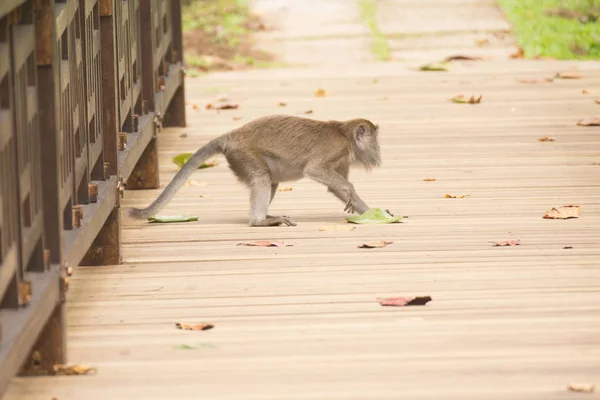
208, 150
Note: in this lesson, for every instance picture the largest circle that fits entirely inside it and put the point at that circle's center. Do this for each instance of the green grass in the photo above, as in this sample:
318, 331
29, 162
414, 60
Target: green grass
551, 36
379, 46
224, 20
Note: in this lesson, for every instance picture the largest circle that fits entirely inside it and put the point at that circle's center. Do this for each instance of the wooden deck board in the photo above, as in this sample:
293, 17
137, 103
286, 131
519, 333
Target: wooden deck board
303, 322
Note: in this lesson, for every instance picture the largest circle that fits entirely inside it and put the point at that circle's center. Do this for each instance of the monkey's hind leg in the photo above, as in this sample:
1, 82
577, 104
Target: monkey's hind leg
261, 194
274, 187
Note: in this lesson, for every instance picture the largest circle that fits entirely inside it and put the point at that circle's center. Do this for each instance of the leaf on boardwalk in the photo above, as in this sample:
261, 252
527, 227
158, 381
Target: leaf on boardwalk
563, 212
428, 179
459, 57
236, 118
184, 347
195, 107
581, 387
72, 369
183, 158
320, 93
267, 243
197, 327
458, 196
405, 301
439, 66
587, 91
222, 106
568, 75
520, 53
171, 218
597, 101
482, 42
594, 121
285, 189
535, 81
512, 242
337, 228
374, 245
282, 104
462, 99
546, 139
308, 112
374, 216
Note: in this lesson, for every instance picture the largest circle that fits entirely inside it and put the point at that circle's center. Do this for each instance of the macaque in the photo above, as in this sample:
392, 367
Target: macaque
270, 150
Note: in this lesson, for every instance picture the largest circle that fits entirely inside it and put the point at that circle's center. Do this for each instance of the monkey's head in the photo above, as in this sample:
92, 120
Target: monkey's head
365, 147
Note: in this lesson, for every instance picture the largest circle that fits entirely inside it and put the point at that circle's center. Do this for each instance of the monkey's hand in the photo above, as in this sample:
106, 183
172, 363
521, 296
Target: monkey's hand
351, 204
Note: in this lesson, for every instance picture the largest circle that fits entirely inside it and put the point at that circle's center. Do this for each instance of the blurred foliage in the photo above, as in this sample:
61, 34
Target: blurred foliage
561, 29
225, 21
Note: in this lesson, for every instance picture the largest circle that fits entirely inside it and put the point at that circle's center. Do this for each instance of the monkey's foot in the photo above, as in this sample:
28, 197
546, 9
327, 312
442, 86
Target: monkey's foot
278, 216
274, 221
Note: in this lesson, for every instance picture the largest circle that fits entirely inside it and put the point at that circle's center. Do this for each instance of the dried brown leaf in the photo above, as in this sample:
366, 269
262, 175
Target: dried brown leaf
597, 101
405, 301
594, 121
196, 327
374, 245
568, 75
512, 242
308, 112
535, 81
282, 104
587, 91
458, 196
285, 189
462, 99
581, 387
520, 53
320, 93
546, 139
195, 107
72, 369
428, 179
267, 243
563, 212
222, 106
461, 57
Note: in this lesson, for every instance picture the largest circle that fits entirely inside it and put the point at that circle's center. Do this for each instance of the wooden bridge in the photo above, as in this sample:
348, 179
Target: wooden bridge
297, 322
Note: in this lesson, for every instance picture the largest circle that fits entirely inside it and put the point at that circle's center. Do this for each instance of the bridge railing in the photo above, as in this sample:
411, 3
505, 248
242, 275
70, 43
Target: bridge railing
85, 86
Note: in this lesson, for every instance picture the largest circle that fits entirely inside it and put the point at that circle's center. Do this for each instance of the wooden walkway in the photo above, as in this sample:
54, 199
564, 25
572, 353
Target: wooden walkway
303, 322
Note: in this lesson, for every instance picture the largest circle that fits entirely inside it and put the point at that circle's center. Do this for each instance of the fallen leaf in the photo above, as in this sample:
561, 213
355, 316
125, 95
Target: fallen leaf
236, 118
374, 216
374, 245
567, 247
563, 212
282, 104
285, 189
512, 242
222, 106
546, 139
440, 66
184, 347
205, 197
195, 107
197, 327
581, 387
520, 53
405, 301
587, 91
482, 42
337, 228
535, 81
72, 369
463, 99
182, 158
458, 196
597, 101
428, 179
267, 243
308, 112
171, 218
568, 75
320, 93
461, 57
183, 135
594, 121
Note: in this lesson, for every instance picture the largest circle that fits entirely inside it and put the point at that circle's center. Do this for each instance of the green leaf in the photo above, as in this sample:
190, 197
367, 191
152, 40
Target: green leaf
374, 216
171, 218
439, 66
184, 157
184, 347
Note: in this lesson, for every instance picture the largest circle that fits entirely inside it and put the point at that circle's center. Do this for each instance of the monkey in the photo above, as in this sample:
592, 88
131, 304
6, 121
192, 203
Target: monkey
279, 148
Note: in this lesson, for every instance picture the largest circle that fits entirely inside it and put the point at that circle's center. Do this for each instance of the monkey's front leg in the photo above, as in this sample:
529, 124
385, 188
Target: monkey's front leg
340, 187
260, 197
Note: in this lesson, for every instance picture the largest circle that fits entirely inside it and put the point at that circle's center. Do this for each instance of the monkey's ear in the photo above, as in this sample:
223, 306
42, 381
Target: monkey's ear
359, 132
